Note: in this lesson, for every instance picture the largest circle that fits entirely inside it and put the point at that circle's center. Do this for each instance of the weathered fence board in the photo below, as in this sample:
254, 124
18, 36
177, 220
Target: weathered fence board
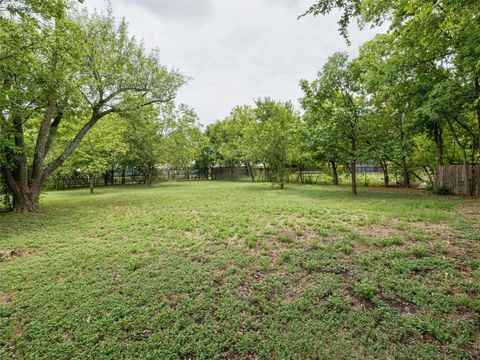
455, 178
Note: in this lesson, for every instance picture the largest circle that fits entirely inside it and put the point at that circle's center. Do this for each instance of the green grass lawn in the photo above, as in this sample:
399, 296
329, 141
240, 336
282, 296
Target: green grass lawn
241, 270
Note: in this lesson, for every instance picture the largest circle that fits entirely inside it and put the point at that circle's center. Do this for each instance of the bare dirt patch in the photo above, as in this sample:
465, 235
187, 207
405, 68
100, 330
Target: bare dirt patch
236, 241
6, 299
193, 234
359, 301
400, 305
11, 254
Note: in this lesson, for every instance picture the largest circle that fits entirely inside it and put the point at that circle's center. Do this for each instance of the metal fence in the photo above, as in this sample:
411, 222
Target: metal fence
118, 176
122, 177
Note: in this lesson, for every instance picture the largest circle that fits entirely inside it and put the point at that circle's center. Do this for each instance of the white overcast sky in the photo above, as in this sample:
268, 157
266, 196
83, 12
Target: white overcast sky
236, 50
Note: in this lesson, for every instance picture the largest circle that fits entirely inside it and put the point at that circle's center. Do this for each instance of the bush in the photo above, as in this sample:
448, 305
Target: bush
366, 181
444, 190
6, 202
308, 180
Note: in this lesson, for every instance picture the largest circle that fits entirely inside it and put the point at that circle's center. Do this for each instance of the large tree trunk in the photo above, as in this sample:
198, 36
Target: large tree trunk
25, 189
26, 201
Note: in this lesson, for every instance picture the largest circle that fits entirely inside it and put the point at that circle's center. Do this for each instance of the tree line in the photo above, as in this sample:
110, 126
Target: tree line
410, 101
79, 92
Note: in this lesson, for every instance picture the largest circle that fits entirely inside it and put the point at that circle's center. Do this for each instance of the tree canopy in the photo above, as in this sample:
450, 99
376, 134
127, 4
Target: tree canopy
61, 67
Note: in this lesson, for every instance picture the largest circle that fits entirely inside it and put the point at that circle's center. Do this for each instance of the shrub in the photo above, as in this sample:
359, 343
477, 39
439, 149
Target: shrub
5, 196
308, 180
366, 181
444, 190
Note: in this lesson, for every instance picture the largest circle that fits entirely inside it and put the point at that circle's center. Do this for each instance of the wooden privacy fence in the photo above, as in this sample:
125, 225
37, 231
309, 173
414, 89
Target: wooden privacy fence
459, 181
238, 172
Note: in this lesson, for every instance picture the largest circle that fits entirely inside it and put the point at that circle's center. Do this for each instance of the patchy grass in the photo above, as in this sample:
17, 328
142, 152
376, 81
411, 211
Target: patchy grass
239, 270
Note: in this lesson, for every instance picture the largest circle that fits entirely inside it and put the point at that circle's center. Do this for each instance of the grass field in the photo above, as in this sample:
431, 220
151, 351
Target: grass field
241, 270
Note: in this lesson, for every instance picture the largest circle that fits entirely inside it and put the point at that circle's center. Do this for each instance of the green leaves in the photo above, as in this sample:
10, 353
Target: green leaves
276, 135
62, 72
425, 69
120, 74
335, 109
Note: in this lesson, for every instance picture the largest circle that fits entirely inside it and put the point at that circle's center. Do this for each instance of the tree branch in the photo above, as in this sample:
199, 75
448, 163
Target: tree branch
50, 168
39, 154
53, 131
